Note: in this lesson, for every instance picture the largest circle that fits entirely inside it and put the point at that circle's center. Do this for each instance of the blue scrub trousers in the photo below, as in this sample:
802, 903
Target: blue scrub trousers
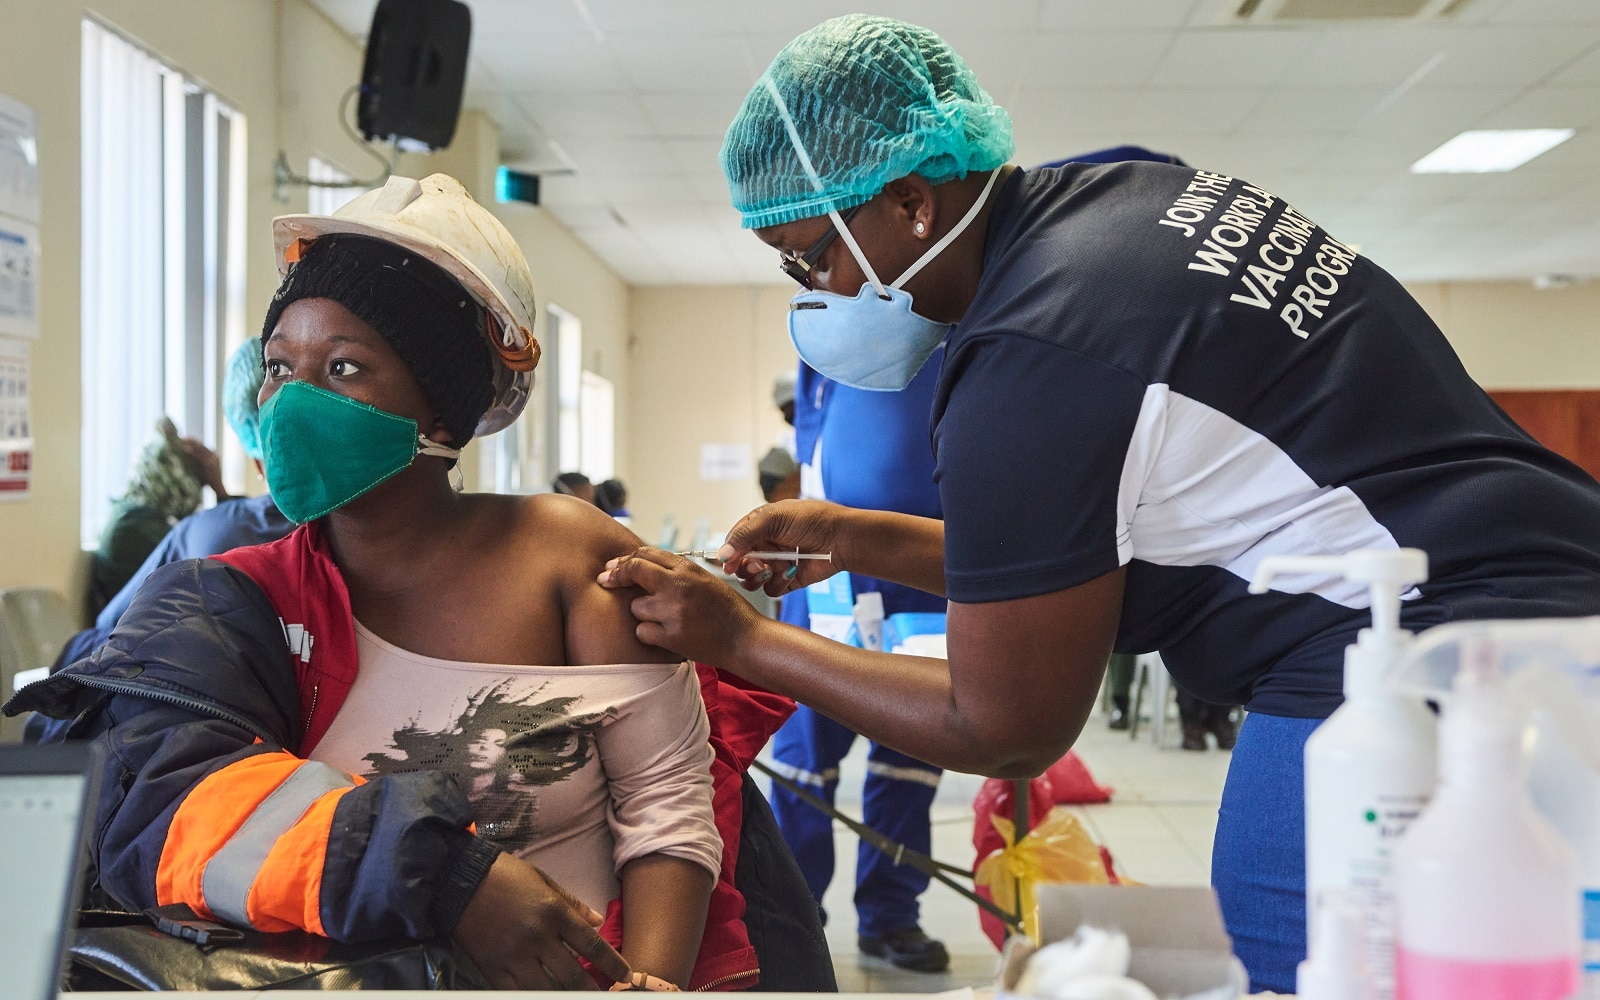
894, 801
1258, 861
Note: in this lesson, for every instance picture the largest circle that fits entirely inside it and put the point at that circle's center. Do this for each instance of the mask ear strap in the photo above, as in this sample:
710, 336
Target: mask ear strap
816, 182
425, 446
948, 238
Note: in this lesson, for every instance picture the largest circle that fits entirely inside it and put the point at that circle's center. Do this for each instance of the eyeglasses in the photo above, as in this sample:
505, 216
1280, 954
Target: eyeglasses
799, 268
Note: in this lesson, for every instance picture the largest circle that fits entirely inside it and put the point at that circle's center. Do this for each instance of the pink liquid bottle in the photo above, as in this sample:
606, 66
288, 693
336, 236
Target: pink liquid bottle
1486, 890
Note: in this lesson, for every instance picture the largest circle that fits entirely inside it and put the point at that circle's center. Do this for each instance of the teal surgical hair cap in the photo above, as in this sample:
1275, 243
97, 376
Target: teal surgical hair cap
240, 387
873, 99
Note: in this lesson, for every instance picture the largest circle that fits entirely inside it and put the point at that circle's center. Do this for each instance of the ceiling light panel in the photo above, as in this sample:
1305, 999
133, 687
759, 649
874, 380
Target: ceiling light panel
1486, 151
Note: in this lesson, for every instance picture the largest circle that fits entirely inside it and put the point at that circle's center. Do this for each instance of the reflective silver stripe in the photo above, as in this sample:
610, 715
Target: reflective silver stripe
803, 777
893, 773
232, 870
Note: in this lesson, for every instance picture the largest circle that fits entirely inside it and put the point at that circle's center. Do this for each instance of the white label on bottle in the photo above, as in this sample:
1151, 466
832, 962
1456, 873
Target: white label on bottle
1351, 835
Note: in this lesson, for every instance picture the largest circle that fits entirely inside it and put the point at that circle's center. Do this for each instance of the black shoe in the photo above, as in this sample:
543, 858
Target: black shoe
908, 949
1119, 712
1223, 728
1194, 737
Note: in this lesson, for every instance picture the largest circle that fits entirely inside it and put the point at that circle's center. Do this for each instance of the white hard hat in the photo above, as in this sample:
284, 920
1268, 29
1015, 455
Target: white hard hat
438, 219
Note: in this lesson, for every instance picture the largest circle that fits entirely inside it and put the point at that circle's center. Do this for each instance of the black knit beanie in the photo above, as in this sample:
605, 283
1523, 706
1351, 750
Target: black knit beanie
423, 312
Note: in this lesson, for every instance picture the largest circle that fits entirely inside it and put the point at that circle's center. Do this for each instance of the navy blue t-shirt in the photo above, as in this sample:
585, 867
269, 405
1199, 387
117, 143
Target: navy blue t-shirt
1188, 376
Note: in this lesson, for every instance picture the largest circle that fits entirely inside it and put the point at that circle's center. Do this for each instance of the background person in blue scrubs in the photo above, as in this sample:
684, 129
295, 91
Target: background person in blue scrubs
1202, 377
865, 450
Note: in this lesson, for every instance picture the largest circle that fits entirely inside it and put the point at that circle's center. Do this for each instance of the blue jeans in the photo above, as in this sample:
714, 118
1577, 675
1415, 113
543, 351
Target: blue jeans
1258, 862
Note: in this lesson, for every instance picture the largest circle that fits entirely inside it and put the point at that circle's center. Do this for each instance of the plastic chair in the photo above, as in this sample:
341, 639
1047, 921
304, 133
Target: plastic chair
1151, 672
34, 624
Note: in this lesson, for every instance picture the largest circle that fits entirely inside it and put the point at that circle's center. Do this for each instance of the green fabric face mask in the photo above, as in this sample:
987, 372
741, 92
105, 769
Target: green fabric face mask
322, 450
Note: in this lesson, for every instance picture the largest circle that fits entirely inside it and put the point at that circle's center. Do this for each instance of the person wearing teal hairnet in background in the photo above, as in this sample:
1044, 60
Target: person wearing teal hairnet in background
1200, 376
234, 521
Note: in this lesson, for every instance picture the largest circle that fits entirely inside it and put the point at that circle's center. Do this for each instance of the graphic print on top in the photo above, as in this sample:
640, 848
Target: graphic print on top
501, 748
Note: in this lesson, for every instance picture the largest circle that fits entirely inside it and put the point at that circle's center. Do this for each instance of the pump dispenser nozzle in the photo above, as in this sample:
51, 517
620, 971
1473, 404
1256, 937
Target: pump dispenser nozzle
1389, 574
1336, 968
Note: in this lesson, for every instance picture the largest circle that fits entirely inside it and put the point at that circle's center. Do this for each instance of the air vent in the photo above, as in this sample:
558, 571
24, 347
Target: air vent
1302, 11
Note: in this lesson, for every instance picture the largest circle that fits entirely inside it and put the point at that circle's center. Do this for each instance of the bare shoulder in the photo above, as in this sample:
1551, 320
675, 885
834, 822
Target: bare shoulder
574, 540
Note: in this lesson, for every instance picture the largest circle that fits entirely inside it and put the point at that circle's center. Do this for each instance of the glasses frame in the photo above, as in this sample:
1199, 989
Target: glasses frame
800, 267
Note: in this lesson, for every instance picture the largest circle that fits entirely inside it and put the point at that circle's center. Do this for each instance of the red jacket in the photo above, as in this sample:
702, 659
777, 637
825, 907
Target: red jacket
301, 581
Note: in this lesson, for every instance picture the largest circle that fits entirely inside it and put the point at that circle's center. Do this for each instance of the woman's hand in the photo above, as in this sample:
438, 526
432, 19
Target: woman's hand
524, 932
684, 608
803, 525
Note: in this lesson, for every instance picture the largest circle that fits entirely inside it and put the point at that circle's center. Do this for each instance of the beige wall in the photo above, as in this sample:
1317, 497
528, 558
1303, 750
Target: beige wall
567, 273
1511, 335
704, 359
703, 363
285, 67
39, 65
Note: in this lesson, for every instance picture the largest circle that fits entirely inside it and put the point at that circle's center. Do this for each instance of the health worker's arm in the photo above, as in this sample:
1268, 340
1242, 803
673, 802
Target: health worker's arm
1020, 682
1038, 491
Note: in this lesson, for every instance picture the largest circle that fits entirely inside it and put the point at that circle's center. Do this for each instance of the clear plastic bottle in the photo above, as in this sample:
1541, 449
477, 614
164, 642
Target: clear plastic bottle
1486, 890
1369, 770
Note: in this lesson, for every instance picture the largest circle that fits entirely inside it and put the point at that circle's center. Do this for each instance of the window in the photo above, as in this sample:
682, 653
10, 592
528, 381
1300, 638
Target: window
570, 422
163, 260
328, 200
597, 428
566, 335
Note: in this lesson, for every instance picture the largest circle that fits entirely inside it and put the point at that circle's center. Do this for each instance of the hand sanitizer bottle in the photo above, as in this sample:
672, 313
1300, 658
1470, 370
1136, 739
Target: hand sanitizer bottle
1486, 890
1336, 968
1369, 769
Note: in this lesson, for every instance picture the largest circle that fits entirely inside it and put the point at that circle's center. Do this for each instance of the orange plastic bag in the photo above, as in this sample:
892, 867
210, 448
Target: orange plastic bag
1059, 849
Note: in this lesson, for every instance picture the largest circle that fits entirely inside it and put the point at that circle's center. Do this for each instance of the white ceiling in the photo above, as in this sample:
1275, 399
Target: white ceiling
633, 96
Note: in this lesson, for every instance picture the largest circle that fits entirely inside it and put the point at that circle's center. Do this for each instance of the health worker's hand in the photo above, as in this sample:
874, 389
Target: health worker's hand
525, 932
806, 525
684, 608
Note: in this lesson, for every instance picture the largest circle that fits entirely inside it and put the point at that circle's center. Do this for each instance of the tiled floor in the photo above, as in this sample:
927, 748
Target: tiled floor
1158, 826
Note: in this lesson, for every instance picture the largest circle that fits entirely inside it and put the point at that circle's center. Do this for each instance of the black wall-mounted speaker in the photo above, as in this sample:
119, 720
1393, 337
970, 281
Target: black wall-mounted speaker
414, 72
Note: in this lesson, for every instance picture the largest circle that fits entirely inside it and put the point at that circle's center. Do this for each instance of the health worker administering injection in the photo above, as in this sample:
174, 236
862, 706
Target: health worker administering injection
1194, 373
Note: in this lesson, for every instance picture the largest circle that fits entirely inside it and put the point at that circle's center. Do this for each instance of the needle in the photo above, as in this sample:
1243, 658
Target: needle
711, 556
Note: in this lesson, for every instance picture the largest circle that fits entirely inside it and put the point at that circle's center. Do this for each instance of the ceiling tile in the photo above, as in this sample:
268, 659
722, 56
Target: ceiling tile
952, 17
1051, 112
692, 112
1228, 57
1328, 117
554, 63
598, 155
640, 186
1294, 110
783, 19
354, 16
589, 115
1491, 55
1114, 13
1182, 110
689, 62
1437, 112
1365, 55
1583, 70
583, 216
1095, 59
674, 18
1545, 12
1548, 107
554, 17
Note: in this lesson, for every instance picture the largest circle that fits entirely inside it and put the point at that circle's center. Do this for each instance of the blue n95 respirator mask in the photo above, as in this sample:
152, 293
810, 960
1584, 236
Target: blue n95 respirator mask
323, 450
874, 340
